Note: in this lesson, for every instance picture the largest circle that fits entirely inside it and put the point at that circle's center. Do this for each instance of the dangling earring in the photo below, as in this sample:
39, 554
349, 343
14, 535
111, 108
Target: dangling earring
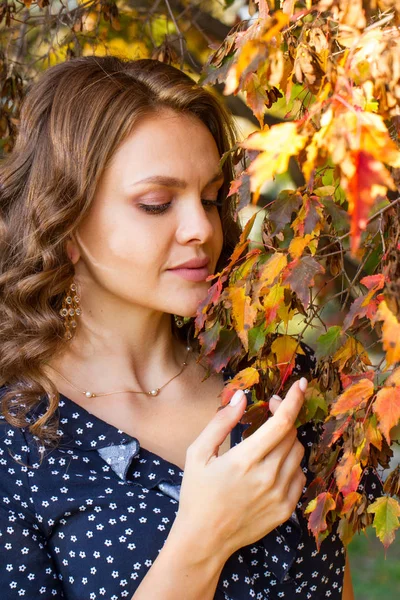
70, 309
179, 322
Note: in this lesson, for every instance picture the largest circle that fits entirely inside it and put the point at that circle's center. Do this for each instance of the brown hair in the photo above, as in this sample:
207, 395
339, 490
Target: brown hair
72, 121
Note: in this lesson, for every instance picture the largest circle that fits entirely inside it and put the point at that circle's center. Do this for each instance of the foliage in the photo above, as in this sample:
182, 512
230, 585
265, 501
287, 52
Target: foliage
340, 62
328, 256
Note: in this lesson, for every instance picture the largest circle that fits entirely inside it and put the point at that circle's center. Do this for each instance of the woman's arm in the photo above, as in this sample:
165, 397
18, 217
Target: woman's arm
230, 501
184, 568
348, 592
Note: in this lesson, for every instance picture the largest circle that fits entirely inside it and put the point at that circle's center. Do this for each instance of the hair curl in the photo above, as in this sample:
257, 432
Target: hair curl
72, 121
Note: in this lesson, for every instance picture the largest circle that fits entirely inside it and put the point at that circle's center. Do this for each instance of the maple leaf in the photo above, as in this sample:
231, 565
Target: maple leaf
318, 509
392, 482
387, 409
255, 416
227, 349
243, 313
386, 518
348, 379
352, 350
353, 398
281, 210
364, 179
390, 333
334, 429
210, 336
364, 306
245, 379
348, 473
329, 342
285, 348
256, 339
272, 302
277, 144
300, 276
270, 272
314, 406
213, 294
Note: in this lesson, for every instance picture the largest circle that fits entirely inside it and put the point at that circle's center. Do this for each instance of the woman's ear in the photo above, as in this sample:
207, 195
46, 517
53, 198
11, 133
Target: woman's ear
72, 250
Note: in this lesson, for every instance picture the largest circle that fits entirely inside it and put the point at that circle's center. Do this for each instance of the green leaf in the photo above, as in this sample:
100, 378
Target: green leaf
256, 340
340, 218
386, 520
329, 342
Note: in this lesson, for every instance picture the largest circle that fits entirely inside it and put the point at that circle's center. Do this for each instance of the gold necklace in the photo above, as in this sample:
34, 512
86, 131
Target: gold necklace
153, 392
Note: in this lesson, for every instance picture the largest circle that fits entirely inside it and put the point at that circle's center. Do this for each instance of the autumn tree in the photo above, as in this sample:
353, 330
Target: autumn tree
326, 261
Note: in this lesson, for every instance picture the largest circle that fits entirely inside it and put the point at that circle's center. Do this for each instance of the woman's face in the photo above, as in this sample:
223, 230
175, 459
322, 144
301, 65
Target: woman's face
154, 210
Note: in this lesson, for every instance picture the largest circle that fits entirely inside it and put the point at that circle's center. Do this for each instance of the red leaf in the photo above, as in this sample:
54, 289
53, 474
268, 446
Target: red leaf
300, 276
319, 509
365, 306
367, 179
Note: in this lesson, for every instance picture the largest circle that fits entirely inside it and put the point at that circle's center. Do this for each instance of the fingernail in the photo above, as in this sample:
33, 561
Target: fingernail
303, 383
236, 398
275, 397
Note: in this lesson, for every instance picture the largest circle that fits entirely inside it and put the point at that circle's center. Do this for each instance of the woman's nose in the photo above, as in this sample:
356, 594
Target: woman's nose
195, 223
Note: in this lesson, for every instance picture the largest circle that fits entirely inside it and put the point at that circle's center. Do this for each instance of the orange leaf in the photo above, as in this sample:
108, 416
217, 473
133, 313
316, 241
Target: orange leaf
243, 313
353, 398
390, 333
348, 473
387, 409
242, 380
319, 507
394, 378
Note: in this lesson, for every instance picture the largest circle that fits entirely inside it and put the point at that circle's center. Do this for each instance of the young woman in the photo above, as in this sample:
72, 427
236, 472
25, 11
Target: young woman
120, 477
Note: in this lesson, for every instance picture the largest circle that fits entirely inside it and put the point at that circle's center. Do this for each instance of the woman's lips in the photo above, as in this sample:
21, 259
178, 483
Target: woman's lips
195, 269
199, 274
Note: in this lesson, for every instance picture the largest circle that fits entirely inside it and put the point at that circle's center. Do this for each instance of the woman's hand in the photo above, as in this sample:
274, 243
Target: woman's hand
232, 500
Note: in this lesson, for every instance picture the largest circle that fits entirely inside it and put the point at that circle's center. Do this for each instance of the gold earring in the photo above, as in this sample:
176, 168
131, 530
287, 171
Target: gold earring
179, 321
70, 310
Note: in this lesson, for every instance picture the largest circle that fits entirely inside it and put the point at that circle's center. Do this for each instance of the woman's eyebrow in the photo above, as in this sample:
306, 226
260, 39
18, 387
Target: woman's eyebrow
168, 181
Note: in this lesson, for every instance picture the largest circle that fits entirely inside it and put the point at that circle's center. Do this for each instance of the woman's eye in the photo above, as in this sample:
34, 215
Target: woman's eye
208, 204
155, 209
158, 209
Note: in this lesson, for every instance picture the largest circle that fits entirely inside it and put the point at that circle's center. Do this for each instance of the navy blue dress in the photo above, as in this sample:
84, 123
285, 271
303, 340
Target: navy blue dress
89, 521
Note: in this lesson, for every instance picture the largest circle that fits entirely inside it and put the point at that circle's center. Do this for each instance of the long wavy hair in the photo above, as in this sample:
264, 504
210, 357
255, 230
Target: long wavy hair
72, 121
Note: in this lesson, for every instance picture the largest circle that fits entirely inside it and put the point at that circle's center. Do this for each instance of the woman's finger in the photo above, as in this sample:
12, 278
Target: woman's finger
271, 433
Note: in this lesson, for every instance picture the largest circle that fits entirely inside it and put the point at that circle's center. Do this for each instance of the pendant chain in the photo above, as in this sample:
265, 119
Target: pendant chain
153, 392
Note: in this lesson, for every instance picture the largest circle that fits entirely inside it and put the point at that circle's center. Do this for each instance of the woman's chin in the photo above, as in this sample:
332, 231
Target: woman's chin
189, 302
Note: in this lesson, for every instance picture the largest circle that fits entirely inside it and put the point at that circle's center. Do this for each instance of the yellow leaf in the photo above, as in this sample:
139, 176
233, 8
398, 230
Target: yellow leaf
351, 350
390, 333
297, 245
271, 270
277, 144
285, 348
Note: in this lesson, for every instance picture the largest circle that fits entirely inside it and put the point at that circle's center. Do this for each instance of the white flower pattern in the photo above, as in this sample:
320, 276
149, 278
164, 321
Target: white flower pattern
98, 536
